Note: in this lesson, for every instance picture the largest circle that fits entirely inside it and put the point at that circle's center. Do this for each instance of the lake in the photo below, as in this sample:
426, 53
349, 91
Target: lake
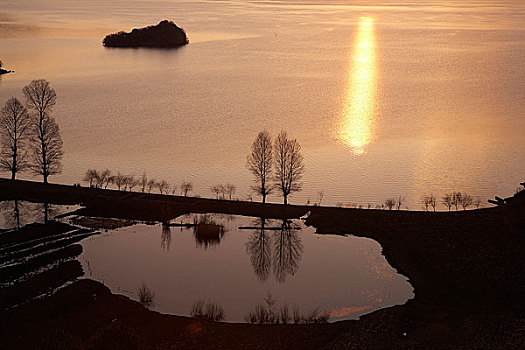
386, 99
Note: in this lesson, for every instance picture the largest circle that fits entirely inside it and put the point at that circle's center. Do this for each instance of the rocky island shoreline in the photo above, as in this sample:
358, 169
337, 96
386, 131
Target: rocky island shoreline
166, 34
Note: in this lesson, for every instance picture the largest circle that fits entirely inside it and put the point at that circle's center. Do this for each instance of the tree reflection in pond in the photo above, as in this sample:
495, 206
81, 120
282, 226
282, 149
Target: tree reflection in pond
288, 250
165, 237
15, 213
258, 248
282, 250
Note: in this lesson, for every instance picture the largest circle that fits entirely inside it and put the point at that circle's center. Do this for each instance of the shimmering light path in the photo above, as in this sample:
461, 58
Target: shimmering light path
356, 129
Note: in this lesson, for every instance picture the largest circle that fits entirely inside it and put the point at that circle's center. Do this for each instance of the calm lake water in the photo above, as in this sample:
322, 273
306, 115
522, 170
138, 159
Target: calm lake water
238, 268
386, 98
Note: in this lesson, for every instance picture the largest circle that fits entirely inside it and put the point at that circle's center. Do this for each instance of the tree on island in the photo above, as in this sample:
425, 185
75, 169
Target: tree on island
47, 148
289, 165
259, 162
15, 124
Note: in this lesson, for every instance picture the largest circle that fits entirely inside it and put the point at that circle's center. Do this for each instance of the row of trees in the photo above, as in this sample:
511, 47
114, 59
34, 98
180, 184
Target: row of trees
223, 191
105, 178
29, 135
278, 166
452, 199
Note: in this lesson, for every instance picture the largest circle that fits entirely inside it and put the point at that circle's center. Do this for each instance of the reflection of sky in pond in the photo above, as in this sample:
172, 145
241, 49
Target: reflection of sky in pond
347, 276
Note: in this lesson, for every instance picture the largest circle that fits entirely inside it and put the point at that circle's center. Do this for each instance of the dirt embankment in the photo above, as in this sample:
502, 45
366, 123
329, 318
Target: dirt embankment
466, 268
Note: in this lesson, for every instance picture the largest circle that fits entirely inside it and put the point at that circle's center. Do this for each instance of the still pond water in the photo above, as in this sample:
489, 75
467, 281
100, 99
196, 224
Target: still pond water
238, 266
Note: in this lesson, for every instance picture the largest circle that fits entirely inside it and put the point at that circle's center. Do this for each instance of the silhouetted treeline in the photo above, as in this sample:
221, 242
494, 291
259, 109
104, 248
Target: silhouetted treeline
128, 182
165, 34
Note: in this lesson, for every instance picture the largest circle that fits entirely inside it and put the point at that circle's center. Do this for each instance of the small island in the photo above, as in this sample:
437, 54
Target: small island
166, 34
2, 70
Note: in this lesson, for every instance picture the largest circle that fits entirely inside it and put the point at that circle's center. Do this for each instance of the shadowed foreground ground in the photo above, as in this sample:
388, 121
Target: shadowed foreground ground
466, 269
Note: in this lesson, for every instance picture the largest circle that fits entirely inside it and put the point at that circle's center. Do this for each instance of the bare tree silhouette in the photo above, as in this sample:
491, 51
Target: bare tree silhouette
120, 180
448, 200
151, 185
14, 134
217, 190
91, 176
47, 150
390, 203
456, 199
289, 165
287, 254
143, 182
104, 178
163, 186
259, 162
186, 187
466, 201
399, 201
259, 248
132, 181
230, 189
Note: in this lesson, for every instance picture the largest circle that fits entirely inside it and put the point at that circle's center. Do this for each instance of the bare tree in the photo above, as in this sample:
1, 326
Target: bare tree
151, 185
448, 200
320, 195
478, 202
186, 187
230, 189
104, 178
259, 162
425, 199
289, 165
14, 126
47, 149
217, 190
132, 182
222, 191
456, 199
143, 182
91, 177
399, 201
466, 201
120, 180
163, 186
390, 203
432, 201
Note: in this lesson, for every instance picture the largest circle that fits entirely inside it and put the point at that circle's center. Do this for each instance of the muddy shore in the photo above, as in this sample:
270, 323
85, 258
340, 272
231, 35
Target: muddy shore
466, 268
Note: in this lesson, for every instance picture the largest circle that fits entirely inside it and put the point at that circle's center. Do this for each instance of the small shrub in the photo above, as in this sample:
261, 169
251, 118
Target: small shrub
208, 310
146, 296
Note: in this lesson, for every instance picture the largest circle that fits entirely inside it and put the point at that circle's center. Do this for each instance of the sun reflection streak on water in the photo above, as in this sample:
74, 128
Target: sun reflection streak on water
356, 128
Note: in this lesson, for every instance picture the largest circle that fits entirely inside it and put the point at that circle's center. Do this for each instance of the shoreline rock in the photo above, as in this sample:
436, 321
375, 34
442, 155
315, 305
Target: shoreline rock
166, 34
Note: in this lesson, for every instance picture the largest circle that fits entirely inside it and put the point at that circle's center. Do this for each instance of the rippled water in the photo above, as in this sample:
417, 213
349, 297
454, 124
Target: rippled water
385, 98
238, 268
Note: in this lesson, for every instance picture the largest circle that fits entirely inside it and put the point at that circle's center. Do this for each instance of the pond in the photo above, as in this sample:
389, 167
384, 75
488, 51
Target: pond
239, 262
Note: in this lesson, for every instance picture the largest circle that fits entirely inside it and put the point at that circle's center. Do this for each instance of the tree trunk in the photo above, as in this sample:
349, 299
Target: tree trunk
264, 198
285, 199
